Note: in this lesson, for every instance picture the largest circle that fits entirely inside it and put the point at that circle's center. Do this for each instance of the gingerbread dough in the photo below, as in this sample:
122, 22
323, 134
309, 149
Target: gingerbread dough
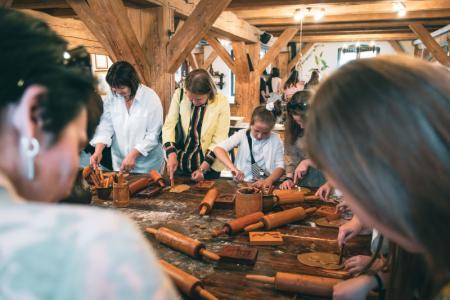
333, 223
322, 260
179, 188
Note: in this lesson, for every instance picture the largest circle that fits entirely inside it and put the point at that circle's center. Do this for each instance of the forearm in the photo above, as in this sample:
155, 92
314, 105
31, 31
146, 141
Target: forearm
134, 153
99, 147
222, 155
276, 174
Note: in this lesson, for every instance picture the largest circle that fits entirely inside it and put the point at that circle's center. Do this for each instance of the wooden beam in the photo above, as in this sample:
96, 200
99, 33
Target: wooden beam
366, 17
281, 42
256, 4
221, 51
357, 37
397, 47
240, 61
196, 26
430, 43
73, 31
6, 3
299, 55
210, 59
199, 58
192, 61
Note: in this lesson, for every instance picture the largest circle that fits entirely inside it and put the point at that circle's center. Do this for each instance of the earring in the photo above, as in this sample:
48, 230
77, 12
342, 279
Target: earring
29, 148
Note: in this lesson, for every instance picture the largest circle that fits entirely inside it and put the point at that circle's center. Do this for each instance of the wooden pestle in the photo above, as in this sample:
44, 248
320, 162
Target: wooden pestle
187, 283
237, 225
292, 197
157, 178
208, 201
280, 218
182, 243
299, 283
139, 185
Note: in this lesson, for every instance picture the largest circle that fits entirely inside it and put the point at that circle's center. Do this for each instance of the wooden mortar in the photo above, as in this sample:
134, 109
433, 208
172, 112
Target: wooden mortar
248, 200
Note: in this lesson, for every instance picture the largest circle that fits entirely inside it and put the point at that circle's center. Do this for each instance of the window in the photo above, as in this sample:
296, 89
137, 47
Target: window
353, 52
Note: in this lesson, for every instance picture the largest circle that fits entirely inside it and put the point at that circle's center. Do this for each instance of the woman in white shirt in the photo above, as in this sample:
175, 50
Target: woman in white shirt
260, 154
131, 123
275, 87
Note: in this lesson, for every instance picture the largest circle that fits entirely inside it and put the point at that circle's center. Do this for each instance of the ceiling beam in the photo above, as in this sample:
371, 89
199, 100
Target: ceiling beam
275, 49
194, 28
254, 4
368, 17
433, 47
73, 31
357, 37
227, 24
397, 47
299, 55
221, 51
210, 59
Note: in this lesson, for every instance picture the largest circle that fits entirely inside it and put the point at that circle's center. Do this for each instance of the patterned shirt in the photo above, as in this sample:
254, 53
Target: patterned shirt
50, 251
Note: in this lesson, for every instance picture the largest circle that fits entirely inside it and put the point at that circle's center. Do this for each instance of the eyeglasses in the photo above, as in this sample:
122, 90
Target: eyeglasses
302, 106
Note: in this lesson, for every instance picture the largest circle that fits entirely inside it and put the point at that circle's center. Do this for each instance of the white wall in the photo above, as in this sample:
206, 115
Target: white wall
219, 66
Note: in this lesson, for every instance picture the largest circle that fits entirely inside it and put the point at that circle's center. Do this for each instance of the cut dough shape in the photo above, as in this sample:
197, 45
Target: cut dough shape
334, 223
179, 188
322, 260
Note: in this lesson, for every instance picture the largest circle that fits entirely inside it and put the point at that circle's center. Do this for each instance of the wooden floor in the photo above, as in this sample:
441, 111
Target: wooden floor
227, 280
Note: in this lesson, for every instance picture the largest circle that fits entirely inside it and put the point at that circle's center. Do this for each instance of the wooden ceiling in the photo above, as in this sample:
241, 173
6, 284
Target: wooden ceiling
344, 17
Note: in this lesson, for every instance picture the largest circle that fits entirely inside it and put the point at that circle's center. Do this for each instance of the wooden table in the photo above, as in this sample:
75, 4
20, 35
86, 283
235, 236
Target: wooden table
227, 280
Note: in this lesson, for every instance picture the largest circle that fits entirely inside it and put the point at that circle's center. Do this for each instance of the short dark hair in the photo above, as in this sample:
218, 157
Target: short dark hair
380, 128
122, 73
34, 55
264, 115
292, 80
275, 72
200, 82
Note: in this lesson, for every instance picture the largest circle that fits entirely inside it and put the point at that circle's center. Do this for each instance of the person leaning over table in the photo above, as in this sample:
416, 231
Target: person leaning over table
205, 122
51, 251
131, 123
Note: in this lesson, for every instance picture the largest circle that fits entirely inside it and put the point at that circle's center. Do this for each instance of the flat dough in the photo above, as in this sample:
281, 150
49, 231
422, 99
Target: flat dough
322, 260
179, 188
333, 223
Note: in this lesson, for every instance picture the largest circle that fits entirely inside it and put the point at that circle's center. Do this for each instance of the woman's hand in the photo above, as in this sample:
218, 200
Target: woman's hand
355, 288
238, 174
286, 185
95, 159
301, 170
197, 175
172, 164
324, 191
355, 264
348, 231
129, 162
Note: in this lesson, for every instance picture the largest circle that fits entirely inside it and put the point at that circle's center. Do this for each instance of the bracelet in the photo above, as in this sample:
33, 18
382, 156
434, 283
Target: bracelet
380, 286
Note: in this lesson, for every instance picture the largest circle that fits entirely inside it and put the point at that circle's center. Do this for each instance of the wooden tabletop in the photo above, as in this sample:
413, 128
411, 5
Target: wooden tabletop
227, 280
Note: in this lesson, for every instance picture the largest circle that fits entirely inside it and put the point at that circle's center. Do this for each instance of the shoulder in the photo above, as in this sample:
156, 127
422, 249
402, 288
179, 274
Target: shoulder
220, 100
275, 138
147, 93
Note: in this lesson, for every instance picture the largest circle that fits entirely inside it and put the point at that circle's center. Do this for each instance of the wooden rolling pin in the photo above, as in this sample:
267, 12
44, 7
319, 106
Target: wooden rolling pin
237, 225
299, 283
139, 185
280, 218
187, 283
208, 201
157, 178
292, 197
182, 243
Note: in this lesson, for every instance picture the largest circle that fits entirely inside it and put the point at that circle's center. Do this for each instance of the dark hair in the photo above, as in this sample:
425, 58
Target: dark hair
200, 82
313, 80
34, 55
275, 72
122, 73
298, 105
292, 80
379, 127
260, 113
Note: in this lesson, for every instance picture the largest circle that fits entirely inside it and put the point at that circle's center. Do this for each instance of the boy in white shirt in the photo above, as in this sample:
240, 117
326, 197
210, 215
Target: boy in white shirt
260, 154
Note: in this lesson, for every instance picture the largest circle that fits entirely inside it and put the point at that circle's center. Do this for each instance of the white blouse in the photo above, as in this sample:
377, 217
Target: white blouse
268, 153
138, 128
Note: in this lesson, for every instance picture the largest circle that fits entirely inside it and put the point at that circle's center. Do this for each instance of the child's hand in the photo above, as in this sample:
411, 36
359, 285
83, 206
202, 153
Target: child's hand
355, 289
238, 175
324, 191
286, 185
355, 264
301, 170
197, 175
348, 230
263, 183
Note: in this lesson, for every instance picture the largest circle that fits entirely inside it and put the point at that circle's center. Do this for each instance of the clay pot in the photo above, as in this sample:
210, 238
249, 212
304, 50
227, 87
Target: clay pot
248, 201
104, 193
121, 195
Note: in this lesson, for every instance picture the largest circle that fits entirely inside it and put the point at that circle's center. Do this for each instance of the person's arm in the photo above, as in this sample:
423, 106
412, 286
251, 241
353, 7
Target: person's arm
291, 159
168, 134
103, 133
221, 152
278, 171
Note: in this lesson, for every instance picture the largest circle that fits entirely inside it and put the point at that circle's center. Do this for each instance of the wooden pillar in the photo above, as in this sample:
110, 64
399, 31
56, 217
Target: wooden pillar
199, 56
155, 46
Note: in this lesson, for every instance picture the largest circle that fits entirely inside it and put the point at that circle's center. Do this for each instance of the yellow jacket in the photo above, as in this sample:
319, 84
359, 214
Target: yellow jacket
215, 126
